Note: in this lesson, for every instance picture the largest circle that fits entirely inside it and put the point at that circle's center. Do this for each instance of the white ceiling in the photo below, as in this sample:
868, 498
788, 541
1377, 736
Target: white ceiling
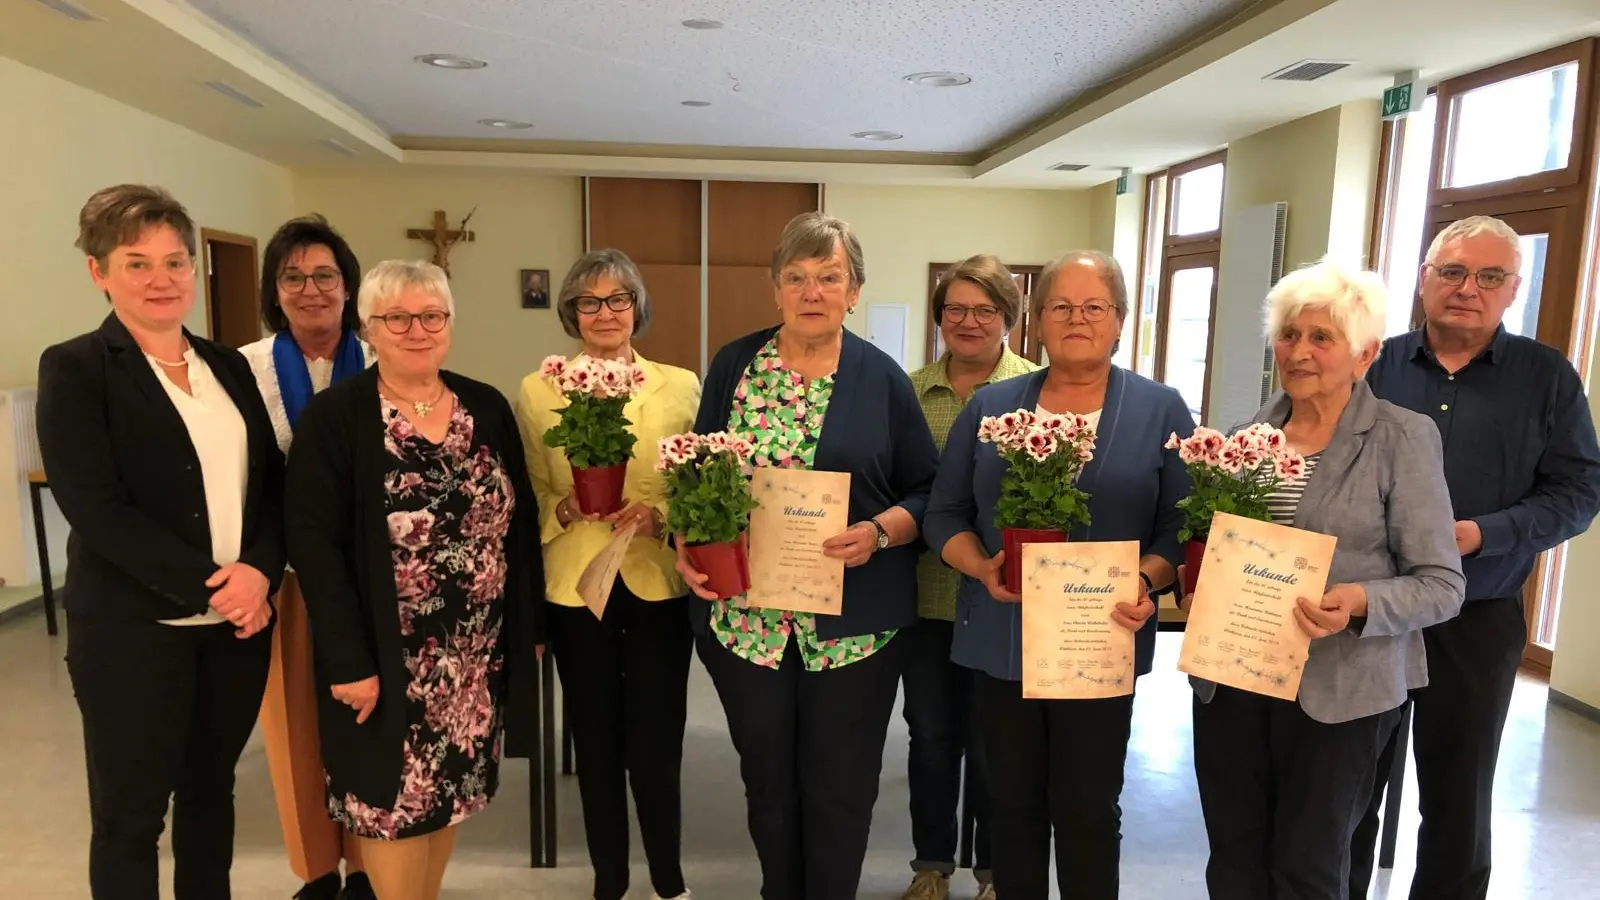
780, 74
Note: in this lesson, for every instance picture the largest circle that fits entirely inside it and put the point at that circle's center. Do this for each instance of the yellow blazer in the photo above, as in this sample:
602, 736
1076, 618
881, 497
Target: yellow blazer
665, 406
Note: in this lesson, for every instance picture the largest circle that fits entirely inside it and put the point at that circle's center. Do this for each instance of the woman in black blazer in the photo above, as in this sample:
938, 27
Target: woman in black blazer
163, 460
808, 697
414, 532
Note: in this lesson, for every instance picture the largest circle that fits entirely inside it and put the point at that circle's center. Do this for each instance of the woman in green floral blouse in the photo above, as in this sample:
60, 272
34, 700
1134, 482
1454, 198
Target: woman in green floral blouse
808, 698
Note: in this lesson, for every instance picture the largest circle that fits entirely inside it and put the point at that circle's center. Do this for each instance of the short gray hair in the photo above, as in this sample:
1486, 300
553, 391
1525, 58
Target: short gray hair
1355, 299
393, 277
1105, 264
591, 267
813, 235
1477, 226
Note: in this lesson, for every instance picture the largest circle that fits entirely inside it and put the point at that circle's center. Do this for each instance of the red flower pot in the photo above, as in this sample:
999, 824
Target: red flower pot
726, 566
1194, 553
1011, 541
599, 489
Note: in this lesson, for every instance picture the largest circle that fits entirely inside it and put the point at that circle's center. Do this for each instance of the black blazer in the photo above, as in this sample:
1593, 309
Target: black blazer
338, 534
875, 430
127, 478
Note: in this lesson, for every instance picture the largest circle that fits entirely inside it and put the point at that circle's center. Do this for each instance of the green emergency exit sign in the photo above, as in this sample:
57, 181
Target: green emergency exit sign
1404, 98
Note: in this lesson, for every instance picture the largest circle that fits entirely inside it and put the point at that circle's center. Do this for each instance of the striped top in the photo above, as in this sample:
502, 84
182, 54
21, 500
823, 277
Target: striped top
1285, 501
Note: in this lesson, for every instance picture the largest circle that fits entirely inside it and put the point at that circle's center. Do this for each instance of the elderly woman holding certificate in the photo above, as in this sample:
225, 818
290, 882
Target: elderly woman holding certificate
1283, 783
808, 696
1058, 763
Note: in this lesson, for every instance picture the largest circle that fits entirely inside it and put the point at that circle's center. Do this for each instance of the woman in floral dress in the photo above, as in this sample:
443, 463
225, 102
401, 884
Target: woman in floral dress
808, 698
414, 530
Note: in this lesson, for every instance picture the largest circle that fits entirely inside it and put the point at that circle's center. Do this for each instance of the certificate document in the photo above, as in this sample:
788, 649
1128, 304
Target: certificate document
1242, 631
595, 584
1071, 650
799, 509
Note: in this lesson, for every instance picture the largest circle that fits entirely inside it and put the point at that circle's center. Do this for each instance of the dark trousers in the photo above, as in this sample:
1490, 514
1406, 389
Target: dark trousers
1281, 793
1457, 721
626, 682
938, 710
1054, 764
166, 713
810, 751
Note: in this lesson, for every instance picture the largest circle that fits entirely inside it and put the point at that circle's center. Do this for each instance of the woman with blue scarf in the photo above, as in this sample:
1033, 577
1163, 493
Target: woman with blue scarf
308, 276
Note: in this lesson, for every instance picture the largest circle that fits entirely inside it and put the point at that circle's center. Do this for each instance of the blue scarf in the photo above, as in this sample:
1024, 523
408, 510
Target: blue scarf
294, 378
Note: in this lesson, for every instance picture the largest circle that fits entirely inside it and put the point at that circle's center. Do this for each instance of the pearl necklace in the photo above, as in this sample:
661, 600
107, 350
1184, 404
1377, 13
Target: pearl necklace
171, 365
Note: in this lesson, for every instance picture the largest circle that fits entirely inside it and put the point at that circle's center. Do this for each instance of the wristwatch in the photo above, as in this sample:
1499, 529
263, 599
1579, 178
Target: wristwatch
883, 536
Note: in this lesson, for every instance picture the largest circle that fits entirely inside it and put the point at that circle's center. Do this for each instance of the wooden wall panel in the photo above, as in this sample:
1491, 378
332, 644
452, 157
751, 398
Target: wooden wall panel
654, 221
745, 218
674, 335
741, 301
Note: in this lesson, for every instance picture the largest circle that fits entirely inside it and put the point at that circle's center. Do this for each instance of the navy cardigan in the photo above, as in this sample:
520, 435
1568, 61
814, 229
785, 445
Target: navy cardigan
874, 429
1133, 485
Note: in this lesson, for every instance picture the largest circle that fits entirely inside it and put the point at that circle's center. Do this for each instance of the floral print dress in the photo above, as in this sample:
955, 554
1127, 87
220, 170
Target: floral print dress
782, 415
449, 508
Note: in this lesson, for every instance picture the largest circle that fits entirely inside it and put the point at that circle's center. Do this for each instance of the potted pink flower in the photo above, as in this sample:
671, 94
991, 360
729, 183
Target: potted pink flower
1040, 501
593, 430
709, 504
1231, 474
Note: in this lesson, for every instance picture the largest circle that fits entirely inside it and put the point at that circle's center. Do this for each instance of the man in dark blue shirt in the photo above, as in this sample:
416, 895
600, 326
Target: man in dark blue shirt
1523, 466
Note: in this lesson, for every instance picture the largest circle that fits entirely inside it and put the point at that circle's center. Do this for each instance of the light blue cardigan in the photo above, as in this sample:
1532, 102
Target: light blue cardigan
1133, 485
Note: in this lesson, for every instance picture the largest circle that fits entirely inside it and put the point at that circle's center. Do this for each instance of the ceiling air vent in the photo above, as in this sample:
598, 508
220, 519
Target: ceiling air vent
70, 10
1069, 167
234, 94
1307, 70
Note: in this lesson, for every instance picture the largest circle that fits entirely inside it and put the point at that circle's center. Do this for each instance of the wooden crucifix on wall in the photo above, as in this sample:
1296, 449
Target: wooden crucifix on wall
442, 237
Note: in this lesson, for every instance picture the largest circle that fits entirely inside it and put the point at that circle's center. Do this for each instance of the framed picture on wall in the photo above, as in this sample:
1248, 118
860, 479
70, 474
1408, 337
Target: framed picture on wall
535, 284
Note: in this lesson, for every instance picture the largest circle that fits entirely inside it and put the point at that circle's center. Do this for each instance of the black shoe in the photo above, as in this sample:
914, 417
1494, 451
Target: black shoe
357, 887
324, 888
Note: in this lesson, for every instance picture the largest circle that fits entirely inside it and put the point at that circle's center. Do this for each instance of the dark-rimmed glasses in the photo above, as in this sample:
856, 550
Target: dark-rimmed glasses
1487, 279
622, 301
293, 281
1061, 310
399, 321
955, 315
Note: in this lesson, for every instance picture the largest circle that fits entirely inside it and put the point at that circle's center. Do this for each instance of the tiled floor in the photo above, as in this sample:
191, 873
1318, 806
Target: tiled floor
1547, 829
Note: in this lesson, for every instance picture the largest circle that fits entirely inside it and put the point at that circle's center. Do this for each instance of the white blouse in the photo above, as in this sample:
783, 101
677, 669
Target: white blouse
221, 442
259, 354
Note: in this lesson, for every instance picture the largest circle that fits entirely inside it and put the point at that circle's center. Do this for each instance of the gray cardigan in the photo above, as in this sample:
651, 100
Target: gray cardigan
1379, 488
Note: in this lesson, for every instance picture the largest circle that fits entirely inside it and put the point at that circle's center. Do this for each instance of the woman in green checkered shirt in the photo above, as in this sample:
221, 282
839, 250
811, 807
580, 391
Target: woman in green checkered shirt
976, 305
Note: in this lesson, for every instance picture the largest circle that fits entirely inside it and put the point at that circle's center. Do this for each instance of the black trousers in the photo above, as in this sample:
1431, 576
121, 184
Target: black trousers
626, 682
1054, 764
938, 710
1456, 724
1281, 793
166, 712
810, 752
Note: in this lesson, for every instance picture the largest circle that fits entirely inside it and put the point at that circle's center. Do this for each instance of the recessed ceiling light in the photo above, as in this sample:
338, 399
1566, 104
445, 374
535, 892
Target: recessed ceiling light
697, 104
878, 135
939, 79
702, 24
505, 123
451, 61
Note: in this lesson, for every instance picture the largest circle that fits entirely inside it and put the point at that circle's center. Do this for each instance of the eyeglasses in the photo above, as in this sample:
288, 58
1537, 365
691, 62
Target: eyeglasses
293, 281
143, 271
828, 282
622, 301
399, 321
1061, 310
983, 315
1487, 279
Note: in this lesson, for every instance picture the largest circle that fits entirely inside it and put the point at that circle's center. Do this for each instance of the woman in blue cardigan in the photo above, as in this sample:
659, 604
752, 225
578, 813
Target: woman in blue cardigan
1058, 763
808, 698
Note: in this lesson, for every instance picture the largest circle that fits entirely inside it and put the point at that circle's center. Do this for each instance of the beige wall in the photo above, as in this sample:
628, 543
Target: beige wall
522, 222
903, 229
1576, 670
64, 143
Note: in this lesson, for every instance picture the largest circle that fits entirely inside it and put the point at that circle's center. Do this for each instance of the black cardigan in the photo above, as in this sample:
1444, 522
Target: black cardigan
339, 545
875, 430
126, 476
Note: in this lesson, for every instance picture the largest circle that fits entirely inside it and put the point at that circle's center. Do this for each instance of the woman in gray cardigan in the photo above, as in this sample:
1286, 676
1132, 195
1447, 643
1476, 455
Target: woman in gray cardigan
1283, 784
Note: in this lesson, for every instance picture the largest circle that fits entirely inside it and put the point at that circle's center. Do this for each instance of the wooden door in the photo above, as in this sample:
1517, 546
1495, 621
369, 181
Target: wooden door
657, 223
232, 288
1188, 304
744, 222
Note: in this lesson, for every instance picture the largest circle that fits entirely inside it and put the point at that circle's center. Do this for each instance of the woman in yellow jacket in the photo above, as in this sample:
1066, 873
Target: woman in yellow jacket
625, 675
